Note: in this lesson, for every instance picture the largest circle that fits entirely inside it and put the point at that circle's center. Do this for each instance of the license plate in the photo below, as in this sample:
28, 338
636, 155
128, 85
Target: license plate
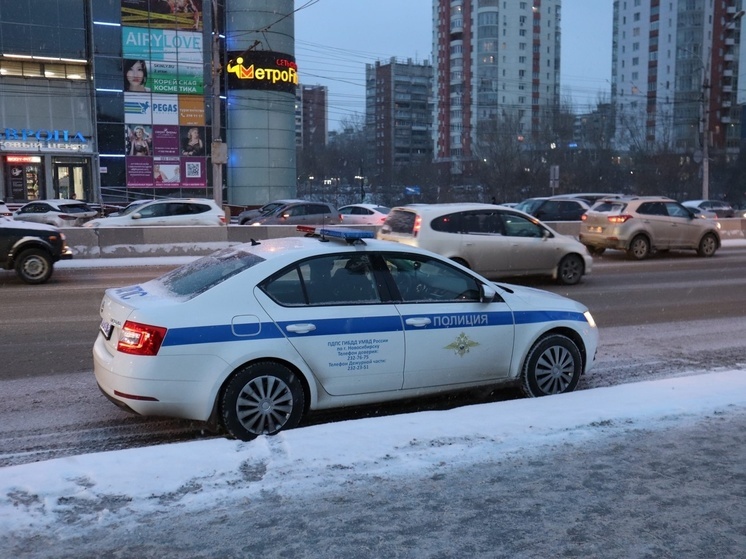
595, 229
106, 329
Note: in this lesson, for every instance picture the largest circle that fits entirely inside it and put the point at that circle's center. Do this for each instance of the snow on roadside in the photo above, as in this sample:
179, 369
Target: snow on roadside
127, 485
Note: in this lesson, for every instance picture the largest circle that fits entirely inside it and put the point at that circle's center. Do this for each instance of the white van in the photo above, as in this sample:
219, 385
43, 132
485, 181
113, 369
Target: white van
495, 241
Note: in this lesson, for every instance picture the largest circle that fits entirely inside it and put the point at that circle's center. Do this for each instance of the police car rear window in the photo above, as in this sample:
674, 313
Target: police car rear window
203, 274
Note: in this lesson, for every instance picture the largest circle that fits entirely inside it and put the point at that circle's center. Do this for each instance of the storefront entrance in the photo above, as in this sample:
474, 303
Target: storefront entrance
71, 178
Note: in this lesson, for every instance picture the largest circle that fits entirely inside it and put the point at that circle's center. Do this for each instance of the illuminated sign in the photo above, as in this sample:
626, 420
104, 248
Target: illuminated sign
43, 140
262, 70
23, 159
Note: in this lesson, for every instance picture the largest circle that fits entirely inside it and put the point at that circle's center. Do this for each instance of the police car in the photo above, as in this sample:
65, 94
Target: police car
255, 336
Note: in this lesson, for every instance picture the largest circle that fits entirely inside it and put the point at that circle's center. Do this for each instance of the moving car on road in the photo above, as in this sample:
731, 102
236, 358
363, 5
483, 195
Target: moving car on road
300, 213
255, 336
247, 216
640, 225
363, 214
166, 212
554, 208
58, 213
31, 249
495, 241
711, 208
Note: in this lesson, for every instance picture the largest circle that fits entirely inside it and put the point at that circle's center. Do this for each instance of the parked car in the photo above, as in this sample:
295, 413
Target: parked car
640, 225
327, 322
167, 212
59, 213
247, 216
495, 241
4, 210
300, 213
31, 249
711, 208
554, 208
363, 214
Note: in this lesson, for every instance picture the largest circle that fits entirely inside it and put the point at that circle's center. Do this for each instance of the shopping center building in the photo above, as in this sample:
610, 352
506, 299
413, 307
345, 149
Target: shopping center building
113, 100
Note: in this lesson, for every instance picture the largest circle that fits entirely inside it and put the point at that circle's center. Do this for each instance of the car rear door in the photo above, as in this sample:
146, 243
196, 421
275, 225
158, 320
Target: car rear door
657, 223
335, 318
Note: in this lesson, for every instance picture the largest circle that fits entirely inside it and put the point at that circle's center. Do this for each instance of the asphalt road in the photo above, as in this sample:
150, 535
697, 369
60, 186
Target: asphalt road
51, 328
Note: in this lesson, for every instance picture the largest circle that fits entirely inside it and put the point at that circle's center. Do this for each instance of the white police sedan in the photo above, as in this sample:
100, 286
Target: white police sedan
254, 336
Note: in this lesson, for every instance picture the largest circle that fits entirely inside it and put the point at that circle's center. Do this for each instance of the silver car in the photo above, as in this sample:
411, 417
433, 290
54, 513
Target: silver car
300, 213
641, 225
494, 241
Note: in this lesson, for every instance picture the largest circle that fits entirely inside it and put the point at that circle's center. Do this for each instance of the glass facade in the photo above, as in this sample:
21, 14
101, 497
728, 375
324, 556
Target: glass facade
47, 127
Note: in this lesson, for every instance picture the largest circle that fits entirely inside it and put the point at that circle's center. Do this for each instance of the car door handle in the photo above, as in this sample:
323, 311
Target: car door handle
301, 328
418, 322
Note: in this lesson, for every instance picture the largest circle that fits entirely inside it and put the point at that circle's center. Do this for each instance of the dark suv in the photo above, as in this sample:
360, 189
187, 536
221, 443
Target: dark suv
31, 249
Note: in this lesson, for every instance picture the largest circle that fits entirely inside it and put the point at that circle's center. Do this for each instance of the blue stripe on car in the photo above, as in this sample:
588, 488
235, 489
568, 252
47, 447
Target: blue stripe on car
364, 325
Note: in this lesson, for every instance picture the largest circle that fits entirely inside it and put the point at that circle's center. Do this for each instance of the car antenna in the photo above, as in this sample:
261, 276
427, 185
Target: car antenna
254, 242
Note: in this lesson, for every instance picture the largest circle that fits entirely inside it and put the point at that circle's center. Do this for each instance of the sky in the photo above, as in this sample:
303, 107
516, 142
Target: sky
118, 491
334, 39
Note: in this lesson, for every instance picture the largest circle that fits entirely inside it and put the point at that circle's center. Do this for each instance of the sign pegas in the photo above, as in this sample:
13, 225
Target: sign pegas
262, 70
43, 140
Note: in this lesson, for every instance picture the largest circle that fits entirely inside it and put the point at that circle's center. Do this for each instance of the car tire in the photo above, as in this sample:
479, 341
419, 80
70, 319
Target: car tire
570, 270
639, 248
34, 266
708, 245
553, 366
262, 398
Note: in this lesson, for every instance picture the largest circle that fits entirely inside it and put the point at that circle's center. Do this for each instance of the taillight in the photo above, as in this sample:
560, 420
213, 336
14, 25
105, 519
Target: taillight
583, 217
67, 217
140, 339
619, 218
417, 225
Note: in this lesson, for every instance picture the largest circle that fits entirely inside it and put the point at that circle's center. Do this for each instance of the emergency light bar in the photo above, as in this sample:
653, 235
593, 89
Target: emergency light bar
349, 235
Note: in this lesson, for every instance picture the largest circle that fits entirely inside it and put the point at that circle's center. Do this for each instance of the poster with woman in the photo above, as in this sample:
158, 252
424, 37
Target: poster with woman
139, 140
192, 143
135, 75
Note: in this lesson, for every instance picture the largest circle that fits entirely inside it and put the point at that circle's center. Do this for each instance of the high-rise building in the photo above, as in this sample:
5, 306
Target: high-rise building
398, 117
496, 61
311, 117
675, 75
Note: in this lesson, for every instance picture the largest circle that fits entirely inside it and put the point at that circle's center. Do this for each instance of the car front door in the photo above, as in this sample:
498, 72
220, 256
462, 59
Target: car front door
451, 336
530, 251
685, 229
331, 311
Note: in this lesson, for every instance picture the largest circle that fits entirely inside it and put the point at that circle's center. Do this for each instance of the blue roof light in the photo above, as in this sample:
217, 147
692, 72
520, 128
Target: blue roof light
346, 233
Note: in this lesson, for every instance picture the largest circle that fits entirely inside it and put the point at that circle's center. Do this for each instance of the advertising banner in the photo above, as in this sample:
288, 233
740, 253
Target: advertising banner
262, 70
166, 14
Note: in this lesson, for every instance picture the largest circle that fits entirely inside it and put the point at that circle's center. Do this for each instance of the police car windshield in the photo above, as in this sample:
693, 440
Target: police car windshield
199, 276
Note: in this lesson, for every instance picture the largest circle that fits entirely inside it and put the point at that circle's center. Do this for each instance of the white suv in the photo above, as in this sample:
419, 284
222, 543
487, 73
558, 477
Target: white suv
170, 211
495, 241
641, 225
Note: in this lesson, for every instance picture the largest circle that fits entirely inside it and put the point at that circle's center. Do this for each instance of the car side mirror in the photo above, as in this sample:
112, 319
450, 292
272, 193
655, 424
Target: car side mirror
487, 294
136, 215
